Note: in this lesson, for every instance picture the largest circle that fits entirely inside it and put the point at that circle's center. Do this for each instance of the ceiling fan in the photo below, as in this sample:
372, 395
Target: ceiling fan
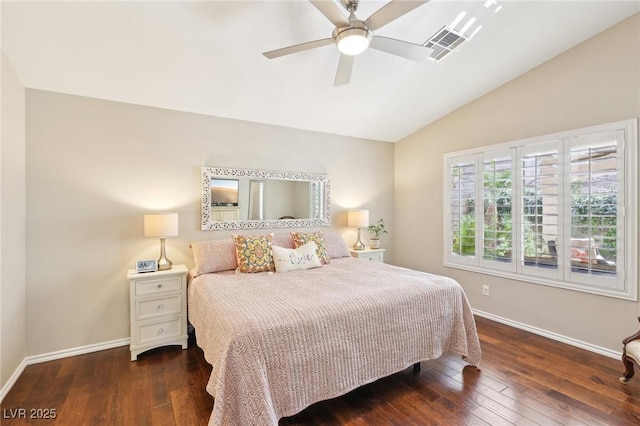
353, 36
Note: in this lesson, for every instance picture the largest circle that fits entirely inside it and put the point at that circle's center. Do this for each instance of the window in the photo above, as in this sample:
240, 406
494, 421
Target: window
559, 210
540, 207
462, 211
497, 225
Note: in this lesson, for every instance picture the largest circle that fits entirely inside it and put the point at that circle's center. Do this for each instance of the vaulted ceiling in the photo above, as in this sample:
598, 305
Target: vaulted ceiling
206, 57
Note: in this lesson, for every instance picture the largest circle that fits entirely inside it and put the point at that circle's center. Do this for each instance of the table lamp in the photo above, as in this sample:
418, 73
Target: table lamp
358, 219
161, 225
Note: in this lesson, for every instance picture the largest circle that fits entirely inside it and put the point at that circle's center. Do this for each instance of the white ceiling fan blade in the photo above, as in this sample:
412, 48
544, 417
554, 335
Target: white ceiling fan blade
390, 12
415, 52
298, 48
331, 11
343, 75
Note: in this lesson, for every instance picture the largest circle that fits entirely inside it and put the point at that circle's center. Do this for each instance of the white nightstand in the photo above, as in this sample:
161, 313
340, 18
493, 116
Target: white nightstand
158, 309
376, 255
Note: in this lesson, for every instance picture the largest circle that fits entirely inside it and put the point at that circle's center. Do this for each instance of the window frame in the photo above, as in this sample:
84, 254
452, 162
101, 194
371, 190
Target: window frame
625, 284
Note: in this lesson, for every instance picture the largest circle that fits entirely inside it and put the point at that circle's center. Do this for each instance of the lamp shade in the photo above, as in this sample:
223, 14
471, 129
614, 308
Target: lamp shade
358, 218
161, 225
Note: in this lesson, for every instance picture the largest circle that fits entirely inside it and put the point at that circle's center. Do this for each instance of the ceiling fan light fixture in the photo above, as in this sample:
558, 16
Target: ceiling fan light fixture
353, 41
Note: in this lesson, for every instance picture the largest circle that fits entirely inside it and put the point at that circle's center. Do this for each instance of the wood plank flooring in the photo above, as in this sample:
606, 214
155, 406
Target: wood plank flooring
525, 380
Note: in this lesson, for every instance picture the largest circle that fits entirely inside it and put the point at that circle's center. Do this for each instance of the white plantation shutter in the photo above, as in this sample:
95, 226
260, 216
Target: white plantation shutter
497, 220
461, 213
595, 240
539, 205
559, 210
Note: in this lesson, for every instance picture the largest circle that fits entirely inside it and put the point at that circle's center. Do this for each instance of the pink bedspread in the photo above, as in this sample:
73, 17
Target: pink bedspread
280, 342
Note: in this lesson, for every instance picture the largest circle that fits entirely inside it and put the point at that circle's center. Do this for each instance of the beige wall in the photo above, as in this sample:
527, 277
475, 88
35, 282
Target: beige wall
94, 167
596, 82
12, 225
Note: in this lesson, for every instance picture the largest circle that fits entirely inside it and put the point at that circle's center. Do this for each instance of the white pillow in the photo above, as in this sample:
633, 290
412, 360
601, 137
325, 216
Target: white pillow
304, 257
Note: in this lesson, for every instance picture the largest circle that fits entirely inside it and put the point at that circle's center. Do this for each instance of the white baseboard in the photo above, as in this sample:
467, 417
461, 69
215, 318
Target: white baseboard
12, 380
551, 335
65, 353
51, 356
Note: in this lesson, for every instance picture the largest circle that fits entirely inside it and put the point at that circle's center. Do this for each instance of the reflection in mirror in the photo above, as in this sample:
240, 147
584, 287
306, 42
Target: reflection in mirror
241, 198
256, 200
224, 192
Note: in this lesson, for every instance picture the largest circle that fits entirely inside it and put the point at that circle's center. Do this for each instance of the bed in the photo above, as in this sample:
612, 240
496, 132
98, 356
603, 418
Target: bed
279, 342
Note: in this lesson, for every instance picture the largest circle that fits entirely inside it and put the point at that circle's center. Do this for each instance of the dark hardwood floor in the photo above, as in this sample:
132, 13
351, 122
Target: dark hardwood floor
525, 380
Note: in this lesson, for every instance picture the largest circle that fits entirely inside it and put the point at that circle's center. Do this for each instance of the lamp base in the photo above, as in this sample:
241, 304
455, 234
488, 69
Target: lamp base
163, 262
358, 245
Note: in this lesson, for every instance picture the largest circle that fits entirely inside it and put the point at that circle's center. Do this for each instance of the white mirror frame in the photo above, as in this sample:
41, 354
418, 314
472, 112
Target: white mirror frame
209, 172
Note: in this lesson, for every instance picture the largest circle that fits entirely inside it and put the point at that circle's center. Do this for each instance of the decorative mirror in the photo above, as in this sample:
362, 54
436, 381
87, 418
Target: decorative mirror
241, 199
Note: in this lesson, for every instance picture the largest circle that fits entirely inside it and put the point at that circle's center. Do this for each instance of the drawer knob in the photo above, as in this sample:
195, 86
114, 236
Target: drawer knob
159, 307
159, 285
160, 331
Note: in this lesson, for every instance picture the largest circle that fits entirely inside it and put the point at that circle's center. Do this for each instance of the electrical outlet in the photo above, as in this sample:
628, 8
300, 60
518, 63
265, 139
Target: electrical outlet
485, 289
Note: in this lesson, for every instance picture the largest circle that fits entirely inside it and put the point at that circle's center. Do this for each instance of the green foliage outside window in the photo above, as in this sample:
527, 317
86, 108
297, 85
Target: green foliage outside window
593, 216
466, 245
497, 210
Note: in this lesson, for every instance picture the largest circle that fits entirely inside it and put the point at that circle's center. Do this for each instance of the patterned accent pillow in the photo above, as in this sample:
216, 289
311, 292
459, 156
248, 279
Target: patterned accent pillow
254, 253
302, 238
304, 257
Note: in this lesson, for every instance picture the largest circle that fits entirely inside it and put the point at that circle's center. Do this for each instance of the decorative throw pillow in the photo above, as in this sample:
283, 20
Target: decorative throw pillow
254, 253
283, 240
304, 257
213, 256
335, 245
302, 238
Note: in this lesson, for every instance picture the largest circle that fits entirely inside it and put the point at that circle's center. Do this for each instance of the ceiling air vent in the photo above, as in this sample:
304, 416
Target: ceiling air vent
443, 42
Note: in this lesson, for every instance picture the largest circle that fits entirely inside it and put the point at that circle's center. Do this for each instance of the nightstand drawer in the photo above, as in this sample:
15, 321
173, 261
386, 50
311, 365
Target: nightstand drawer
158, 306
376, 257
158, 285
160, 330
373, 255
